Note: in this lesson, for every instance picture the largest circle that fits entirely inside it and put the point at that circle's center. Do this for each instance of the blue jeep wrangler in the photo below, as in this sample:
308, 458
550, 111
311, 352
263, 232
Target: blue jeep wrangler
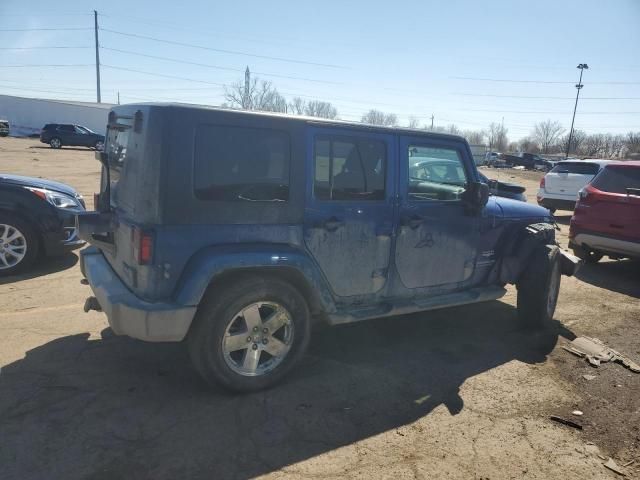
235, 231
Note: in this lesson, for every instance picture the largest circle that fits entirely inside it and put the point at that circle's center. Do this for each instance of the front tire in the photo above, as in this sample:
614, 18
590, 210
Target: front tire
249, 335
99, 145
539, 286
18, 244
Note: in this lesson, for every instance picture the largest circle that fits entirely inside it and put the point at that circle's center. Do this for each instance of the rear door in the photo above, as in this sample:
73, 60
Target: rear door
437, 237
567, 178
349, 208
617, 208
67, 134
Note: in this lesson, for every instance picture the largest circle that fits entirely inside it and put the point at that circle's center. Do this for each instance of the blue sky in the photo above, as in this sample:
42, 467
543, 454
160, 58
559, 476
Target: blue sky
405, 57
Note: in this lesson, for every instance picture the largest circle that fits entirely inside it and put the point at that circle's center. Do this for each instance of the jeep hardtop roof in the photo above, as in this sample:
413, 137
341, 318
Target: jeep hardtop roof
299, 118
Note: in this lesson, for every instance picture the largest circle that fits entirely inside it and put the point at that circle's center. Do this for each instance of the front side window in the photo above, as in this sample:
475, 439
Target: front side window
349, 168
67, 128
435, 173
241, 164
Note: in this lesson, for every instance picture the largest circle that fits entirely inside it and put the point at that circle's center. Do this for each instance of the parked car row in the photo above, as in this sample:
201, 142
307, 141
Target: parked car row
529, 161
604, 196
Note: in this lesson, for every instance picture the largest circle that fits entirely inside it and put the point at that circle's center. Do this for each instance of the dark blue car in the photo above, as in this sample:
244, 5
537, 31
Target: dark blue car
235, 231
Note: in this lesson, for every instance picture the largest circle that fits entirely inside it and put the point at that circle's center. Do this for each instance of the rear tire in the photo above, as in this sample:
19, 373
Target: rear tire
539, 286
589, 256
249, 335
99, 145
19, 244
55, 142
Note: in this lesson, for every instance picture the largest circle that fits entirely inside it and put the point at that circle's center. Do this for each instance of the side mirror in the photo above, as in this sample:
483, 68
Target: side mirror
477, 194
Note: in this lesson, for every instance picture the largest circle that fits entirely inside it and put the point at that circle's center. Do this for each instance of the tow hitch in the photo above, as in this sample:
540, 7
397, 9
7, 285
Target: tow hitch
91, 303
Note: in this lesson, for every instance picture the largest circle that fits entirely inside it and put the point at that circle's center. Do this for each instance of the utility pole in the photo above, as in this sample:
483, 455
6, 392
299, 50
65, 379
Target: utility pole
247, 83
95, 26
579, 86
118, 97
432, 121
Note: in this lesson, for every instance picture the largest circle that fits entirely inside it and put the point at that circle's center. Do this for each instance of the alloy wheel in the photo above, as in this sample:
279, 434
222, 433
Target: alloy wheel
258, 338
13, 246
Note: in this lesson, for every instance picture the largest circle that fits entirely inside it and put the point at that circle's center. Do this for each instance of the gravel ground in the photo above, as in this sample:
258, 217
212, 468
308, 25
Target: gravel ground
461, 393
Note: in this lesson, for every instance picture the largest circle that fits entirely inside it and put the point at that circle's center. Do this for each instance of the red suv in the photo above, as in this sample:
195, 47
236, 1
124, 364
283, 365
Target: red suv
606, 220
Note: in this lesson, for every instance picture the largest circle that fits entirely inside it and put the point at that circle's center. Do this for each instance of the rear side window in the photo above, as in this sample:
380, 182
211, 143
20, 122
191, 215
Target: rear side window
576, 167
618, 179
349, 168
241, 164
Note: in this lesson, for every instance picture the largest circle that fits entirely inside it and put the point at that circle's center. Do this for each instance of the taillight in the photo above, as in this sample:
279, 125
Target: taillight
542, 182
142, 245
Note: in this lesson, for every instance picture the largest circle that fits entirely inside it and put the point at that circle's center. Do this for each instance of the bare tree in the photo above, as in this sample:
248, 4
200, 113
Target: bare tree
577, 140
452, 129
593, 145
497, 136
633, 142
547, 133
256, 95
474, 137
316, 108
527, 145
297, 106
413, 122
376, 117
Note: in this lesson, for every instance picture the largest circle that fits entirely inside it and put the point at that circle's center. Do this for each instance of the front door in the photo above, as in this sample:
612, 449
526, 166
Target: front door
437, 238
350, 208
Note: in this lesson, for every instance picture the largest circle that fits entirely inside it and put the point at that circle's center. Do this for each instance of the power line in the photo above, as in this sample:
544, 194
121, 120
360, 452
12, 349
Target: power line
67, 29
40, 48
545, 111
230, 52
162, 75
219, 67
539, 81
542, 97
38, 65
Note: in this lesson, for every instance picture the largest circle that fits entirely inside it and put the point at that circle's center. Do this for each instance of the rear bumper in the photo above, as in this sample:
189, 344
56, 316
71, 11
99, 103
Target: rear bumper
556, 203
127, 314
605, 244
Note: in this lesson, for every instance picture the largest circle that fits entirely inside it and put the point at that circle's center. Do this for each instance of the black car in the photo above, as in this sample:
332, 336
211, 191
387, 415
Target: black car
37, 218
57, 135
504, 189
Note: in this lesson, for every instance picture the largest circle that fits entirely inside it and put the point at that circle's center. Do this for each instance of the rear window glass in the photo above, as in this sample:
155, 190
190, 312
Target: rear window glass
618, 179
241, 164
576, 167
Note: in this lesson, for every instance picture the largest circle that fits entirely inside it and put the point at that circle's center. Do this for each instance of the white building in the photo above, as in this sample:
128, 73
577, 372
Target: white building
27, 116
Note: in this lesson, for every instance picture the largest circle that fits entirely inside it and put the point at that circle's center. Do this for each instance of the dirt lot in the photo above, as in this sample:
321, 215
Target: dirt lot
462, 393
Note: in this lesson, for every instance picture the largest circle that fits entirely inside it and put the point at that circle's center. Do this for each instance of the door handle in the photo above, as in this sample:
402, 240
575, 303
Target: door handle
332, 224
413, 222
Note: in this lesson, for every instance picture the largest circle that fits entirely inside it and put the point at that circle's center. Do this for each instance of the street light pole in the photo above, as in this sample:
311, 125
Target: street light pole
579, 86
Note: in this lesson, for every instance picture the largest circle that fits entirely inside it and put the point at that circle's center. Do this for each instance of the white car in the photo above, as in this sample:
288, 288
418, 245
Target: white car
559, 188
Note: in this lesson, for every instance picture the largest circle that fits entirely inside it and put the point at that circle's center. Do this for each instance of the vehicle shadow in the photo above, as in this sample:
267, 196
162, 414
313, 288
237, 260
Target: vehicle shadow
622, 276
79, 149
117, 408
43, 266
